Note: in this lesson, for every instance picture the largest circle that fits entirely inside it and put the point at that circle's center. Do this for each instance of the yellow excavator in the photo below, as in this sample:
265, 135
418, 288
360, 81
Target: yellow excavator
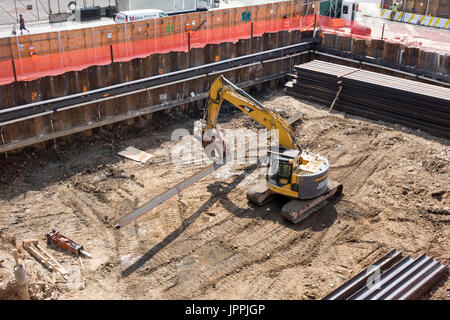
299, 175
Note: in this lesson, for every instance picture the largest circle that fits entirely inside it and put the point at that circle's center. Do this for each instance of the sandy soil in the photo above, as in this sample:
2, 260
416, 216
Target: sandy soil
209, 242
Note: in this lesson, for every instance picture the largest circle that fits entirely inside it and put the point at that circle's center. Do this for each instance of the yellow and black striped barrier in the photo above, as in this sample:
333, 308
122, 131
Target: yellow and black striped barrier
417, 19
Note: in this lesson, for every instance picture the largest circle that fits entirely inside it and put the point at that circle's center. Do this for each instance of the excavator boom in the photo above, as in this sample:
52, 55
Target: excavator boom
222, 89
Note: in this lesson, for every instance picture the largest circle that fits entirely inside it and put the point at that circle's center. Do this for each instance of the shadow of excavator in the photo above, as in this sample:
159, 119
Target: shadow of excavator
220, 191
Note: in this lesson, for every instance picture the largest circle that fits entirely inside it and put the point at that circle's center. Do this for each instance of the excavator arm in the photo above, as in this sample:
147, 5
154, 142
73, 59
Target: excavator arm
222, 89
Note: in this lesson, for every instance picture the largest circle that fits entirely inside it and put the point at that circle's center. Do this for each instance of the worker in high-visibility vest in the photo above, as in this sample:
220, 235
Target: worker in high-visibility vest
394, 9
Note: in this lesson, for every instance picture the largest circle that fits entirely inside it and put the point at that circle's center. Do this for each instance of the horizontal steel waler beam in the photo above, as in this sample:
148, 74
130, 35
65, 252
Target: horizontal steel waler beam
395, 67
140, 85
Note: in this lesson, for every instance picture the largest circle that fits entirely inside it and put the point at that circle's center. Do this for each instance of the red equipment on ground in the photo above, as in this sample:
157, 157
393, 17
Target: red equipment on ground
56, 239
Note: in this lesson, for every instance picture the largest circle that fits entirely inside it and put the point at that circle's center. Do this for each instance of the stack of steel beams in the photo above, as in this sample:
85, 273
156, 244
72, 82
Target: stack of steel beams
393, 277
317, 81
375, 96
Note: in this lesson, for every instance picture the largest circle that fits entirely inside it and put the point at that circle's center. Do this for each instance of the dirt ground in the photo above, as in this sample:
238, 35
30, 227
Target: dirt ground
209, 242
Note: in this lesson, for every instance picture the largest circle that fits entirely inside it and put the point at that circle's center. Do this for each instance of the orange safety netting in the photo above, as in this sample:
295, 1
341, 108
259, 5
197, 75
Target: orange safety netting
344, 27
37, 66
33, 66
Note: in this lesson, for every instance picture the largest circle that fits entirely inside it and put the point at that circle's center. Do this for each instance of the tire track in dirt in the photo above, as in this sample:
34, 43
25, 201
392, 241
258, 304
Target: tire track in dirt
128, 241
168, 268
87, 217
229, 231
300, 251
286, 254
269, 244
354, 180
161, 255
295, 255
173, 250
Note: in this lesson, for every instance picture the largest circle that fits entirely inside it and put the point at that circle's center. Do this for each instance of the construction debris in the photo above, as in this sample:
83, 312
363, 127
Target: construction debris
21, 281
393, 277
136, 154
33, 247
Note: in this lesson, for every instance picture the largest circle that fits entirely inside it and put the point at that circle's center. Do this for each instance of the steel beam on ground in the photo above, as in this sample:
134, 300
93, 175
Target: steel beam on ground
361, 279
398, 280
127, 219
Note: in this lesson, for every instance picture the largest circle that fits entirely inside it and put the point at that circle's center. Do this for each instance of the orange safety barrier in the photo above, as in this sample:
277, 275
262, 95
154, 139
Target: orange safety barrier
37, 66
343, 27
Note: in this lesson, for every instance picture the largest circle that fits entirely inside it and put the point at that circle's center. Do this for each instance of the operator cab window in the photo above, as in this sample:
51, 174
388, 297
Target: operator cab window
285, 170
282, 176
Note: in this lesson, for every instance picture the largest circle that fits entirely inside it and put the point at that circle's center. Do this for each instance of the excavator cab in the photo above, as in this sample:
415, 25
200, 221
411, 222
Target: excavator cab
280, 167
284, 173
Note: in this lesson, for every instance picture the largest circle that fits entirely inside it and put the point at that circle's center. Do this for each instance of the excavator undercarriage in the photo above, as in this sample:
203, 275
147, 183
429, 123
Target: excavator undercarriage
295, 210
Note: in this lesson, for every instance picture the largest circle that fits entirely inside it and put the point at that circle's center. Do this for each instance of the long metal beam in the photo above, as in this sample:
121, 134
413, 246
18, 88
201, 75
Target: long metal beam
127, 219
130, 217
353, 57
